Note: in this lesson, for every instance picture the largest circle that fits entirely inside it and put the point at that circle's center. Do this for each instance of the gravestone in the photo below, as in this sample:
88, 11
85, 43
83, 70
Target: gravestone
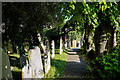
74, 43
47, 60
81, 40
26, 72
35, 62
65, 41
6, 72
61, 50
53, 48
23, 60
35, 68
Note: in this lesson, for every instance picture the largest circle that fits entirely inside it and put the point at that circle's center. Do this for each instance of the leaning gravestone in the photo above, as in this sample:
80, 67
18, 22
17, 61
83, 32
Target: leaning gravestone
6, 72
23, 60
53, 48
47, 58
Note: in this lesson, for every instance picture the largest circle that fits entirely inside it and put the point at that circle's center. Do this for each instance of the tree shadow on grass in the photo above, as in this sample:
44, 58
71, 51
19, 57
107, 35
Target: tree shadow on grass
14, 61
17, 75
60, 66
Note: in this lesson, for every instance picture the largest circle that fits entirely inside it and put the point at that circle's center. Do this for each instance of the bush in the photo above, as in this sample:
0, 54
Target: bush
57, 51
108, 65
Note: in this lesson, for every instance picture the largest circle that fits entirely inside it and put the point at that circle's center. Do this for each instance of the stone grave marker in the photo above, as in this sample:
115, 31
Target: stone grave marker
53, 48
74, 43
6, 71
61, 50
66, 41
26, 72
47, 57
23, 60
35, 62
35, 68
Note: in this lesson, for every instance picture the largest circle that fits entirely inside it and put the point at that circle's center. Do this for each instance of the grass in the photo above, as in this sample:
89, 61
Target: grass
15, 55
58, 64
17, 75
16, 69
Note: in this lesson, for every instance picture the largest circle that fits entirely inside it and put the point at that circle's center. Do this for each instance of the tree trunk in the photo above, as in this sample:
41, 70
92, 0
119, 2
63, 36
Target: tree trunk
14, 47
103, 38
41, 42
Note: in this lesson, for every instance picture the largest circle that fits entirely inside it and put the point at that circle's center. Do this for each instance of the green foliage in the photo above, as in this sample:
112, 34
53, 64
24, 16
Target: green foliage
75, 35
108, 65
58, 64
57, 51
15, 55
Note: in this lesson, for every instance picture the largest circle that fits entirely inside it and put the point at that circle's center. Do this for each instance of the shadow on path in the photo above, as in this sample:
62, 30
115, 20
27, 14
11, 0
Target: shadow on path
76, 67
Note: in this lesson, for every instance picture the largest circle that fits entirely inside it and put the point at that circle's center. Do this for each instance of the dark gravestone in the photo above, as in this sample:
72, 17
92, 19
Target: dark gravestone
23, 60
6, 71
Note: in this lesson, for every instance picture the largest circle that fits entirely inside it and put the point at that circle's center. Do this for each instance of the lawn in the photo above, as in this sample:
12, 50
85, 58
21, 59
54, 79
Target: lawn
58, 64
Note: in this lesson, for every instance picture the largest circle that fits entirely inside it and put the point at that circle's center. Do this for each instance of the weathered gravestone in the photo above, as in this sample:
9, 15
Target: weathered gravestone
35, 67
26, 72
65, 41
23, 60
81, 40
6, 72
53, 48
61, 50
74, 43
47, 59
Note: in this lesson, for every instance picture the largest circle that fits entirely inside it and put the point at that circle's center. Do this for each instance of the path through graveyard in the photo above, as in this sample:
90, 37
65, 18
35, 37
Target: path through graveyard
76, 67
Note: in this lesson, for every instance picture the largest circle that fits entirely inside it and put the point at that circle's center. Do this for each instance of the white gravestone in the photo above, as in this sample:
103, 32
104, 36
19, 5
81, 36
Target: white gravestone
35, 69
61, 45
74, 43
53, 48
65, 41
23, 60
47, 60
6, 72
26, 72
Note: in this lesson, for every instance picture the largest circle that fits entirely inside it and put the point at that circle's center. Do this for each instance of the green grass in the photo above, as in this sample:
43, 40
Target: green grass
15, 55
58, 64
16, 69
16, 72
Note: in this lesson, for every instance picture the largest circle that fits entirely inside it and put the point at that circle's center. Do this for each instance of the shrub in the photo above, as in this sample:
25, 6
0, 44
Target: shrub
108, 66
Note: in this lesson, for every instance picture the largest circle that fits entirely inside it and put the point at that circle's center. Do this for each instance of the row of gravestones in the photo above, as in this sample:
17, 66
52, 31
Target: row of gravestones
32, 66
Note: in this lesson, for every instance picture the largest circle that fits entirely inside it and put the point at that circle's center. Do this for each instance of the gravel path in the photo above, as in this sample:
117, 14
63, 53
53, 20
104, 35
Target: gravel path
76, 67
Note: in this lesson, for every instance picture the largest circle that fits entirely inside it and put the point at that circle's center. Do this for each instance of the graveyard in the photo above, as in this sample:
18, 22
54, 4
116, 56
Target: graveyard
60, 40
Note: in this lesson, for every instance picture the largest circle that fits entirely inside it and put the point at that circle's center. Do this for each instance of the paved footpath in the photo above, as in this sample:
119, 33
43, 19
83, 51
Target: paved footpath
76, 67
